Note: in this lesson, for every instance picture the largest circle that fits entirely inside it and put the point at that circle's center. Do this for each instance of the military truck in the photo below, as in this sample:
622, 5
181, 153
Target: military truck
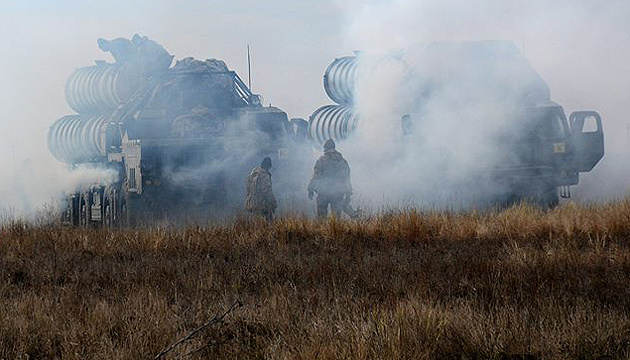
541, 151
167, 140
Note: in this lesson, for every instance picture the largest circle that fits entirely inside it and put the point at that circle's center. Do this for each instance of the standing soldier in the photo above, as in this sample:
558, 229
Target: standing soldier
259, 199
331, 182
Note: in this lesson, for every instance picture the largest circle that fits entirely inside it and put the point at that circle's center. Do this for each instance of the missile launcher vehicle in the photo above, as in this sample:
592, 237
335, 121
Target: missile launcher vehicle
540, 152
173, 140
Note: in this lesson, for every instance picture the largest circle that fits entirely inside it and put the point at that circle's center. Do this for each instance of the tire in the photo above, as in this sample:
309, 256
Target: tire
84, 212
123, 219
110, 208
130, 216
546, 198
551, 198
108, 220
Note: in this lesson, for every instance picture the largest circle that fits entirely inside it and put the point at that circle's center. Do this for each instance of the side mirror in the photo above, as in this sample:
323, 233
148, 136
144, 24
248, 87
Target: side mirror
588, 139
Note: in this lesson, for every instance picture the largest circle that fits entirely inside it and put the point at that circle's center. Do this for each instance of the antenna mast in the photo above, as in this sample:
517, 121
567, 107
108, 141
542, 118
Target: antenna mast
249, 70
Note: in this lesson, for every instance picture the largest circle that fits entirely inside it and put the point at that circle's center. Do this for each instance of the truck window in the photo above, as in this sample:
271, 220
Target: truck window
590, 125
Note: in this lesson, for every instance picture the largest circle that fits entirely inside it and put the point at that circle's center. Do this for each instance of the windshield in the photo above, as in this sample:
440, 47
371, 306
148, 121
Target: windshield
551, 125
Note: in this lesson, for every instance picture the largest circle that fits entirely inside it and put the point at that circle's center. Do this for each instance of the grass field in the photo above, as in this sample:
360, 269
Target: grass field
515, 284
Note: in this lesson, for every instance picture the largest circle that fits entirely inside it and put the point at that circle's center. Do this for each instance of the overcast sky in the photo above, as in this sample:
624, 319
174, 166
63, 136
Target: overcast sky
580, 47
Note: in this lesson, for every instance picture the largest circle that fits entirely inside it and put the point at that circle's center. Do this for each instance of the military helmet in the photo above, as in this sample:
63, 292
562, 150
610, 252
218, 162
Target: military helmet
329, 145
266, 163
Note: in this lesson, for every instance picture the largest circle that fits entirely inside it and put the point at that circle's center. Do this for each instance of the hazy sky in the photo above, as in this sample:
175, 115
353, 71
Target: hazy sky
581, 47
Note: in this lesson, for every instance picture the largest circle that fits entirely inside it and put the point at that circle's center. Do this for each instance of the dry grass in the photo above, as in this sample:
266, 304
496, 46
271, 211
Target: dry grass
510, 285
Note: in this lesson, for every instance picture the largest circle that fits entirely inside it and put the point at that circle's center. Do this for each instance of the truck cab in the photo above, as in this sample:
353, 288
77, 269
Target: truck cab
548, 153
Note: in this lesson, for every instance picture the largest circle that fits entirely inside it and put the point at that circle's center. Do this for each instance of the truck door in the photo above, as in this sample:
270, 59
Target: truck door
588, 139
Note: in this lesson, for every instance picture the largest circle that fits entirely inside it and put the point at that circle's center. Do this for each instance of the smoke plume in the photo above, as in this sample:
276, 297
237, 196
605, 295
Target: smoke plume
579, 48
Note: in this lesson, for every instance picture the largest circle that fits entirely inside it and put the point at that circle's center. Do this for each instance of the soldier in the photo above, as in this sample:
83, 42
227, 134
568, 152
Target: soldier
331, 182
259, 199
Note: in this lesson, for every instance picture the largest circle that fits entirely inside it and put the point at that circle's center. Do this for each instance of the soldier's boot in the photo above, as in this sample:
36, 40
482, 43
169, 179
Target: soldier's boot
322, 207
353, 213
268, 215
337, 208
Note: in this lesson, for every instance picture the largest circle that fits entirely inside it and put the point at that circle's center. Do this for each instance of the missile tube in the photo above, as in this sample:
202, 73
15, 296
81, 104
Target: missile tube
76, 138
340, 78
99, 88
332, 122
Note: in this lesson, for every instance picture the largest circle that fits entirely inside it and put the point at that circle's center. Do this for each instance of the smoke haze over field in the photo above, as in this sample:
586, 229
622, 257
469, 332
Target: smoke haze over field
581, 48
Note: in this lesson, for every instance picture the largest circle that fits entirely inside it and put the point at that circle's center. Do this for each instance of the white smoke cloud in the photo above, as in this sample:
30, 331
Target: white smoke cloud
579, 47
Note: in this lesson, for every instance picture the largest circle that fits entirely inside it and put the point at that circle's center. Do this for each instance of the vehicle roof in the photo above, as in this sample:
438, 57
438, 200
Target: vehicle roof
497, 65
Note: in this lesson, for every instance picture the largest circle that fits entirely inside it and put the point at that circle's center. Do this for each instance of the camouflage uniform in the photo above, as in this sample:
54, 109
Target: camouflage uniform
259, 199
331, 182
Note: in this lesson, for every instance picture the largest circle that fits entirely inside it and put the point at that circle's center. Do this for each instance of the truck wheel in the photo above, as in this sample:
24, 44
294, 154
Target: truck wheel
547, 198
130, 211
122, 220
107, 215
551, 198
74, 206
506, 201
110, 216
84, 205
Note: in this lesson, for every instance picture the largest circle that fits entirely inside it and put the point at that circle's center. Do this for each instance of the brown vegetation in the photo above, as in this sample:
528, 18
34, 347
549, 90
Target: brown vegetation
514, 284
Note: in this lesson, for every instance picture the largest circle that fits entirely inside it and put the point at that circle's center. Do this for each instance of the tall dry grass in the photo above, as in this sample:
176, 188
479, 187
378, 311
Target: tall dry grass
519, 283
